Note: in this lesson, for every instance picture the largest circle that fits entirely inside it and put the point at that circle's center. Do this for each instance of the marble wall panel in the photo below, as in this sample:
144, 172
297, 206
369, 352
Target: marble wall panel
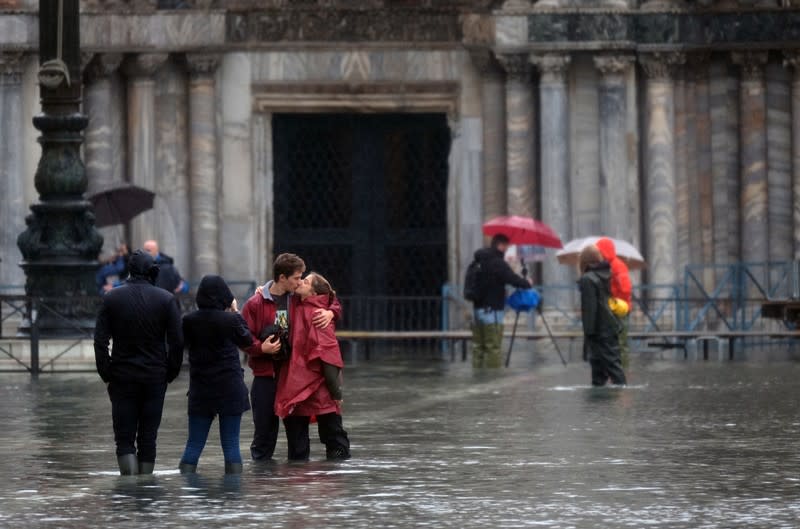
168, 31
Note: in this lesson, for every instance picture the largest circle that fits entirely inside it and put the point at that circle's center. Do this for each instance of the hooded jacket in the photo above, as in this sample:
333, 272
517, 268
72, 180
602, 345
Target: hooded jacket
498, 275
620, 276
598, 321
213, 337
301, 384
144, 322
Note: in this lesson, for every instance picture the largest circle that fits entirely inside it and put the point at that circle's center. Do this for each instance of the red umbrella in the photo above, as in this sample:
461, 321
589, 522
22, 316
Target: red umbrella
523, 230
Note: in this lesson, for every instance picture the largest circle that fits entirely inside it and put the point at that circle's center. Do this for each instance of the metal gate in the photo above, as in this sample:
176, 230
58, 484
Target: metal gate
362, 199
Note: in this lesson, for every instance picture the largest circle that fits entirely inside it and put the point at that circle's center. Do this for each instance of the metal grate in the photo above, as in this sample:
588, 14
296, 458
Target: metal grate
362, 198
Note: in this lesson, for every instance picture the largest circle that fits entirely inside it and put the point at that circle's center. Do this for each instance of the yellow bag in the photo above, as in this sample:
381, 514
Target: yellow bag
619, 307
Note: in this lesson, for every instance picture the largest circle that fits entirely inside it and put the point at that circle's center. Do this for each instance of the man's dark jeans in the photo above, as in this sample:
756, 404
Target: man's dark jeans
262, 400
136, 412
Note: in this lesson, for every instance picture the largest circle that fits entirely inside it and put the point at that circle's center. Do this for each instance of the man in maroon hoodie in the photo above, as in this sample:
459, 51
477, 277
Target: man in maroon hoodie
269, 307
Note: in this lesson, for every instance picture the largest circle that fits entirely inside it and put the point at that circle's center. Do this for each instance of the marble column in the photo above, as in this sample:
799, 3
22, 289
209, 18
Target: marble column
98, 146
684, 116
779, 165
793, 60
724, 102
555, 156
172, 163
493, 116
139, 70
614, 197
12, 169
700, 180
660, 168
203, 188
753, 156
520, 138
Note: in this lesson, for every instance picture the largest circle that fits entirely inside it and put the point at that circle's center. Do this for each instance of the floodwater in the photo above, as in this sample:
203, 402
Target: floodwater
687, 444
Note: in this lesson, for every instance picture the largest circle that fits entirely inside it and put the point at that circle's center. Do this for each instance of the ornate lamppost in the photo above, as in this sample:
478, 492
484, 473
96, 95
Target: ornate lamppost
60, 244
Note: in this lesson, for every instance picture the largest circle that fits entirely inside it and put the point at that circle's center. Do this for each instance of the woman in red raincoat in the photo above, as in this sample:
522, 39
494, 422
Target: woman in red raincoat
309, 382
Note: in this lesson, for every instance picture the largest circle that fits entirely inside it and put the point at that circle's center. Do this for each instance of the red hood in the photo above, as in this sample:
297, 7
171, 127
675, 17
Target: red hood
319, 301
606, 247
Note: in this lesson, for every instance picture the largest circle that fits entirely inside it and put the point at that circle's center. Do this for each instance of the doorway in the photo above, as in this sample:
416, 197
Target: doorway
362, 198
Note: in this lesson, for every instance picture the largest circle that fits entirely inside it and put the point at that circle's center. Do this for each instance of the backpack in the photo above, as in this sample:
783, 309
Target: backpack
475, 282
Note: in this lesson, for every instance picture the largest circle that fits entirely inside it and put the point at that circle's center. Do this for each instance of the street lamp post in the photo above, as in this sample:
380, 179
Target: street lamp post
60, 244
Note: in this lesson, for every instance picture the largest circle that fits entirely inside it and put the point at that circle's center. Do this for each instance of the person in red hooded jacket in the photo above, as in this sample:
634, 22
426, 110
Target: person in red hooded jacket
620, 288
309, 383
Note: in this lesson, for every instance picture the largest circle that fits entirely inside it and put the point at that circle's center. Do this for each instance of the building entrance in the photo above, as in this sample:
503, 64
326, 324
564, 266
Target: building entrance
362, 199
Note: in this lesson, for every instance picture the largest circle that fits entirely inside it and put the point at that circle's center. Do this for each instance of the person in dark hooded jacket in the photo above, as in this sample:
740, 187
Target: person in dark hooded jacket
144, 323
487, 330
600, 326
214, 333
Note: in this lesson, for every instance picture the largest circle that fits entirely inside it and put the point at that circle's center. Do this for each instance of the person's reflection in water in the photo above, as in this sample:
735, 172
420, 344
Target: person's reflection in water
605, 394
135, 494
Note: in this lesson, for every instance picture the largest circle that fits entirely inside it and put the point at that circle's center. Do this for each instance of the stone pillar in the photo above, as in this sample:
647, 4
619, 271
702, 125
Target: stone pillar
660, 168
684, 116
700, 180
139, 70
203, 164
98, 146
793, 59
172, 163
12, 167
520, 154
779, 166
753, 156
614, 197
724, 101
493, 108
555, 156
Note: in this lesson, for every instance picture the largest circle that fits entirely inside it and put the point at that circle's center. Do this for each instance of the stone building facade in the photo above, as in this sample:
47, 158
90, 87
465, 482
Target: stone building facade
672, 124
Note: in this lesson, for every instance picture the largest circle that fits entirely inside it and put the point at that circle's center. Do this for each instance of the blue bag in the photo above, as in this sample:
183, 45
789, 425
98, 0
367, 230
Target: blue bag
523, 300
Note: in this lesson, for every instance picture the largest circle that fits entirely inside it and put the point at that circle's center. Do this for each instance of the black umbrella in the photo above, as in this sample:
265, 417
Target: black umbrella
118, 205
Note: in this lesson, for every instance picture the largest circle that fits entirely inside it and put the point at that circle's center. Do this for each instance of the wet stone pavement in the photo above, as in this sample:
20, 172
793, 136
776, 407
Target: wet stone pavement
687, 444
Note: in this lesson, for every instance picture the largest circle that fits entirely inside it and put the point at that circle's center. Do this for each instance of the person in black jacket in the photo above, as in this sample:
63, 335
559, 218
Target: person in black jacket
144, 323
487, 330
600, 326
214, 333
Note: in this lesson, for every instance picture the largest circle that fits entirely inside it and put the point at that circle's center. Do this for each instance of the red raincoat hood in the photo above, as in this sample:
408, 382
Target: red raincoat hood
606, 247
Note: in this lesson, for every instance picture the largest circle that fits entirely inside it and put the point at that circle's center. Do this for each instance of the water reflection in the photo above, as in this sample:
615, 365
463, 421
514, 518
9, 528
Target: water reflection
436, 445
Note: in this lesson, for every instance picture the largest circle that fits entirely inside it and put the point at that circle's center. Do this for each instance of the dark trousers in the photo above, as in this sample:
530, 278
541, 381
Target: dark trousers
331, 433
604, 357
262, 401
199, 426
136, 412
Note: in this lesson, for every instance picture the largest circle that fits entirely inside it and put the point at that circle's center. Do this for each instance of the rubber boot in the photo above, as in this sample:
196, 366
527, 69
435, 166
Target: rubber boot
146, 467
187, 468
233, 468
128, 465
337, 453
